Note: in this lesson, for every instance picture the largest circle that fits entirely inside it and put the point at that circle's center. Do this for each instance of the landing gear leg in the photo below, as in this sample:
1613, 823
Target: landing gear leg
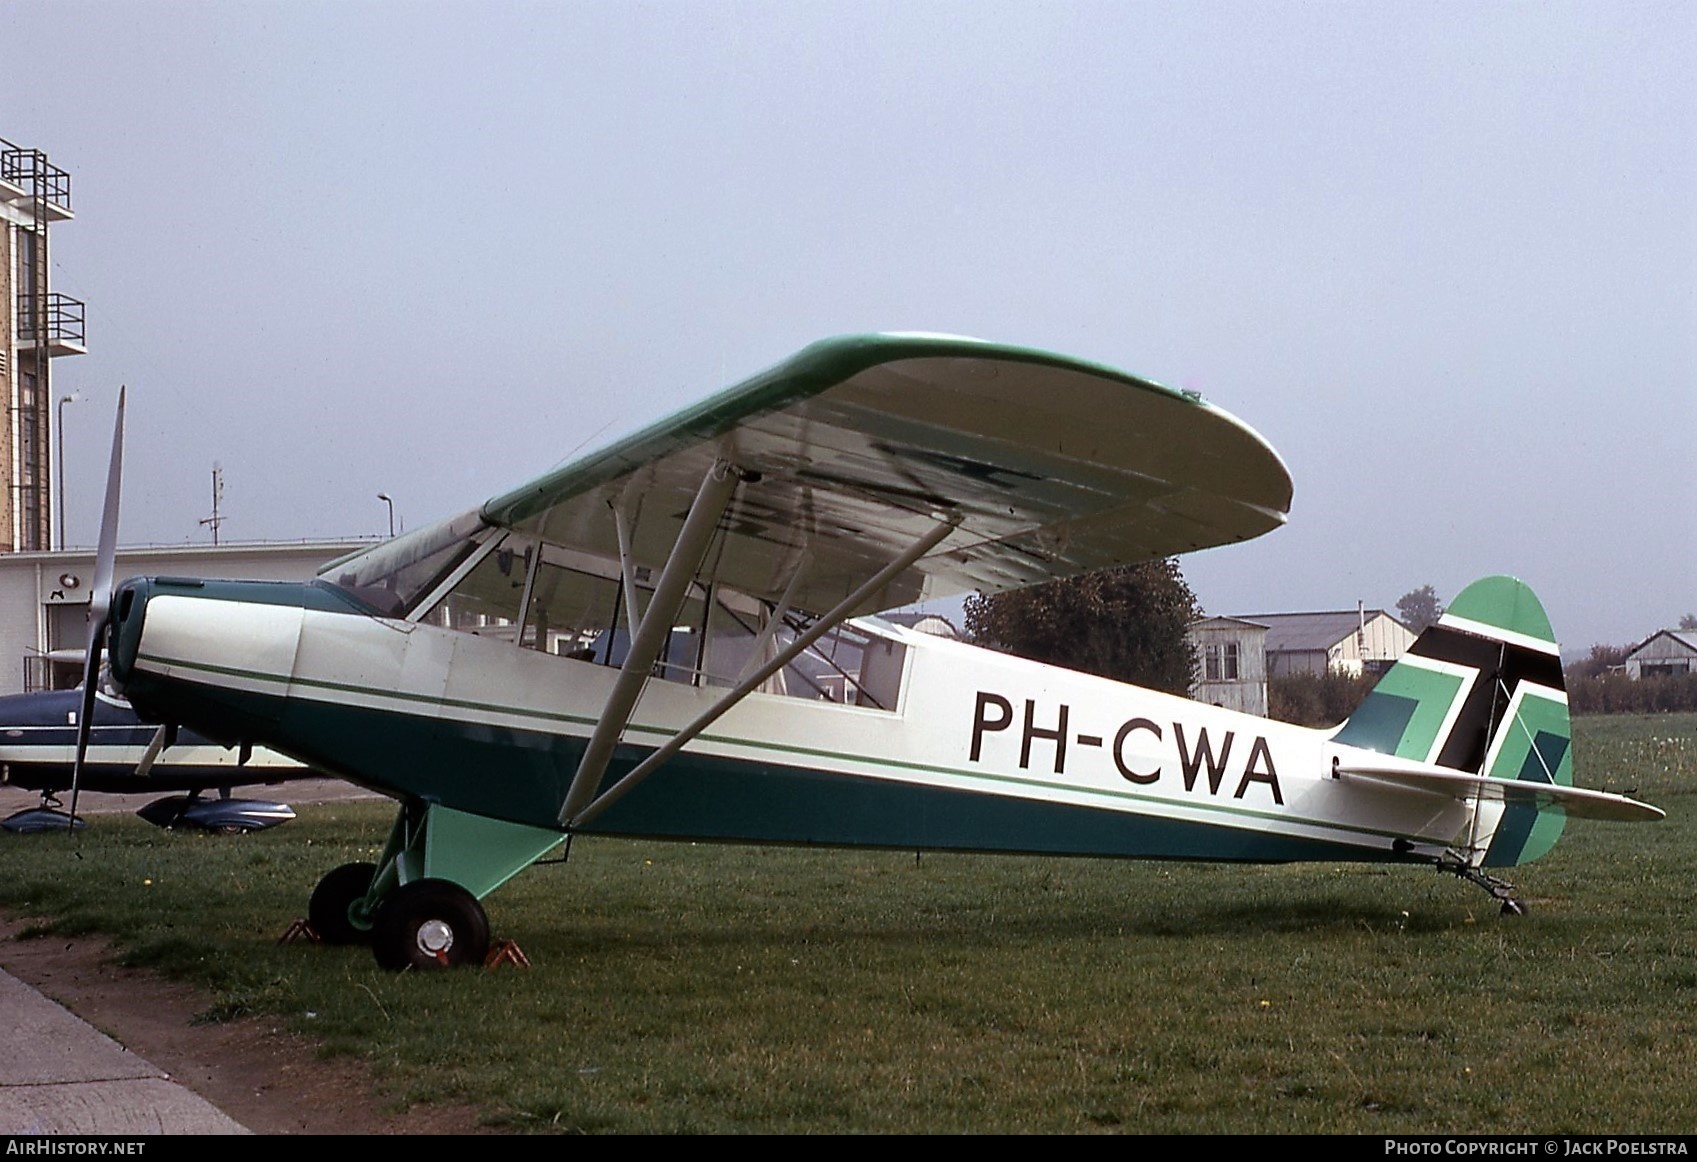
417, 906
1501, 890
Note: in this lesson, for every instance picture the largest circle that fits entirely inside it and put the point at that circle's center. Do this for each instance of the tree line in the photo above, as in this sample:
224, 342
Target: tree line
1599, 684
1132, 624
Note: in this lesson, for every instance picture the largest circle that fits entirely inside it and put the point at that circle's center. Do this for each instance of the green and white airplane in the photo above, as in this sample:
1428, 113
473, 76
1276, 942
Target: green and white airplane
675, 637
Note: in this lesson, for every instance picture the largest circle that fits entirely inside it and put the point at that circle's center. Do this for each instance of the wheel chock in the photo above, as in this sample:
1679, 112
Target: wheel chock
300, 930
506, 952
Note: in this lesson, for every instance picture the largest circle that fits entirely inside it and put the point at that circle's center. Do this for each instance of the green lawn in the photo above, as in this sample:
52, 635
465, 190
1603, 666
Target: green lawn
732, 989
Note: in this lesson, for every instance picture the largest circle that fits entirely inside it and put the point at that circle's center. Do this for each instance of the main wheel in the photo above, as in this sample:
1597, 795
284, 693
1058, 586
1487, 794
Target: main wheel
430, 924
328, 910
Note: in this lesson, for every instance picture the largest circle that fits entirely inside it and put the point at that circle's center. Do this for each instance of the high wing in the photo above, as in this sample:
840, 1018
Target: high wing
852, 449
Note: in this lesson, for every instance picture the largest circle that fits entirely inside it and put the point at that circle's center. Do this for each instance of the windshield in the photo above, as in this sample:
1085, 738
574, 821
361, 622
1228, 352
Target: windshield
394, 576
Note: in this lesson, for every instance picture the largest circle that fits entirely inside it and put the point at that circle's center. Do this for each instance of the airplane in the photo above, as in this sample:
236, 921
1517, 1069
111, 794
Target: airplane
38, 749
612, 649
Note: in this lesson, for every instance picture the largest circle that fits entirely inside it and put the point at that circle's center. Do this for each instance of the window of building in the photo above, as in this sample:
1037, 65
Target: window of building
1220, 662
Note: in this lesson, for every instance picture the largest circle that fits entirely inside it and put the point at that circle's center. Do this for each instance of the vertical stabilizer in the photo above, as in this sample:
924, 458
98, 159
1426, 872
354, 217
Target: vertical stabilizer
1481, 692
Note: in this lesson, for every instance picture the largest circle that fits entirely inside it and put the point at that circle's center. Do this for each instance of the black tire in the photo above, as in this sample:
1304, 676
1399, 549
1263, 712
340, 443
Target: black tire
327, 912
430, 924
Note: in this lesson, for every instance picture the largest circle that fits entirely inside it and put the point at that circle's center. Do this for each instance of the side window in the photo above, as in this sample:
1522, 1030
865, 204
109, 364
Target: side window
881, 663
569, 610
486, 600
557, 601
852, 667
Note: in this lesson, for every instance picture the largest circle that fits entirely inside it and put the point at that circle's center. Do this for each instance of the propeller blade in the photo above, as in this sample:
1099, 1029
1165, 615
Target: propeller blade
99, 602
105, 559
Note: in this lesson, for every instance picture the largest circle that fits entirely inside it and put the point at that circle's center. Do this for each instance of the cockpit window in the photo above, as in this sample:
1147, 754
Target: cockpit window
394, 576
486, 600
572, 604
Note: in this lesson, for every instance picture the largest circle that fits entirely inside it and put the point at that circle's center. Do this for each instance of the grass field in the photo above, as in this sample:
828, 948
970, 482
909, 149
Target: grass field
697, 988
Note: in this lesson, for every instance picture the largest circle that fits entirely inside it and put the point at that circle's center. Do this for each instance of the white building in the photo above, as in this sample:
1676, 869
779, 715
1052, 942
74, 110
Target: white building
1666, 653
44, 596
1353, 642
1231, 663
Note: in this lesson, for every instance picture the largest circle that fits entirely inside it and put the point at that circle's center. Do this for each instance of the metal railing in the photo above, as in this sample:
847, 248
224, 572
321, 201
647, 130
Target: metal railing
30, 169
64, 319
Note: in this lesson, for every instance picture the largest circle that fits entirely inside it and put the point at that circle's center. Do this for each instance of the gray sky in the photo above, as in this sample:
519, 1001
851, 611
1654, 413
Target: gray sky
1443, 256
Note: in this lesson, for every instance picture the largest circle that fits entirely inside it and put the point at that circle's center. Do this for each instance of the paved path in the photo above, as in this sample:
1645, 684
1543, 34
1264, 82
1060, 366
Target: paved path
61, 1075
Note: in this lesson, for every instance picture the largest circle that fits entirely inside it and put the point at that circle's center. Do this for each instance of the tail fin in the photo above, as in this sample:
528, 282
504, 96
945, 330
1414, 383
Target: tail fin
1481, 692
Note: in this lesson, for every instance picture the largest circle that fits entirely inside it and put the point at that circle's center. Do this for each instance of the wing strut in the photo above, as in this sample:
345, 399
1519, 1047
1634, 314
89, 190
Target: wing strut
711, 500
633, 612
773, 621
839, 614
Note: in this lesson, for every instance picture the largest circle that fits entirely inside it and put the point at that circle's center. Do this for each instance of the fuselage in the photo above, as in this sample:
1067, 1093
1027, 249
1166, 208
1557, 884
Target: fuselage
975, 750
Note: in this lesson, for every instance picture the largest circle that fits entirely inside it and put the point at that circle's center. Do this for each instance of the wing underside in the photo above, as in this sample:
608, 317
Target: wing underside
854, 449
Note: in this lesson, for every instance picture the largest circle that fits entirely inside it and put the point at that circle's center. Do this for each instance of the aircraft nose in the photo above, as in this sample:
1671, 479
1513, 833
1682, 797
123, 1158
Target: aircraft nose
129, 604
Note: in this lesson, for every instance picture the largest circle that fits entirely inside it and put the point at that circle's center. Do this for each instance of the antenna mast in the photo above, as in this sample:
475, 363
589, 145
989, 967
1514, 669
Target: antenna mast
217, 498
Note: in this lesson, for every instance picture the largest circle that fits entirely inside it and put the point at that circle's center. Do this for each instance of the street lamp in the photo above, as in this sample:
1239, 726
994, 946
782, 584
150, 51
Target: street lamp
63, 400
384, 497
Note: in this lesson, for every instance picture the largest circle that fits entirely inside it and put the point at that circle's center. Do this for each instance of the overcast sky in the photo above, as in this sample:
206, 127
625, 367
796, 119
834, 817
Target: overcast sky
1443, 256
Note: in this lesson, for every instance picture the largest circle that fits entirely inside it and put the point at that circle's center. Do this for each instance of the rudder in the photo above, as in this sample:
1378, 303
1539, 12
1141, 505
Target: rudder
1481, 692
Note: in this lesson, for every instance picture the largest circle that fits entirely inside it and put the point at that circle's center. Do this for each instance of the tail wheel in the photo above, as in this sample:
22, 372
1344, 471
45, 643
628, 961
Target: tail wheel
328, 910
430, 924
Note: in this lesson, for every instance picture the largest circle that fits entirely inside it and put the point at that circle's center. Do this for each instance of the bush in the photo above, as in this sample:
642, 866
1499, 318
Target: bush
1316, 699
1615, 693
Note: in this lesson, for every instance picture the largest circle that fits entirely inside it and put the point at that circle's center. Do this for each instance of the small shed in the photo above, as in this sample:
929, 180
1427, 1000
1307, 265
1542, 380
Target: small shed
1667, 652
1231, 663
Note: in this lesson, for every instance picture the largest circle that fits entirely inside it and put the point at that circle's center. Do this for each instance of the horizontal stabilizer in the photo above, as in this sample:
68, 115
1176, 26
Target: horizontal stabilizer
1578, 803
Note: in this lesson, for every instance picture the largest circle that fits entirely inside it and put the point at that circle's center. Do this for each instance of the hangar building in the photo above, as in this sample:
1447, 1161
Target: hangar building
1353, 642
44, 596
